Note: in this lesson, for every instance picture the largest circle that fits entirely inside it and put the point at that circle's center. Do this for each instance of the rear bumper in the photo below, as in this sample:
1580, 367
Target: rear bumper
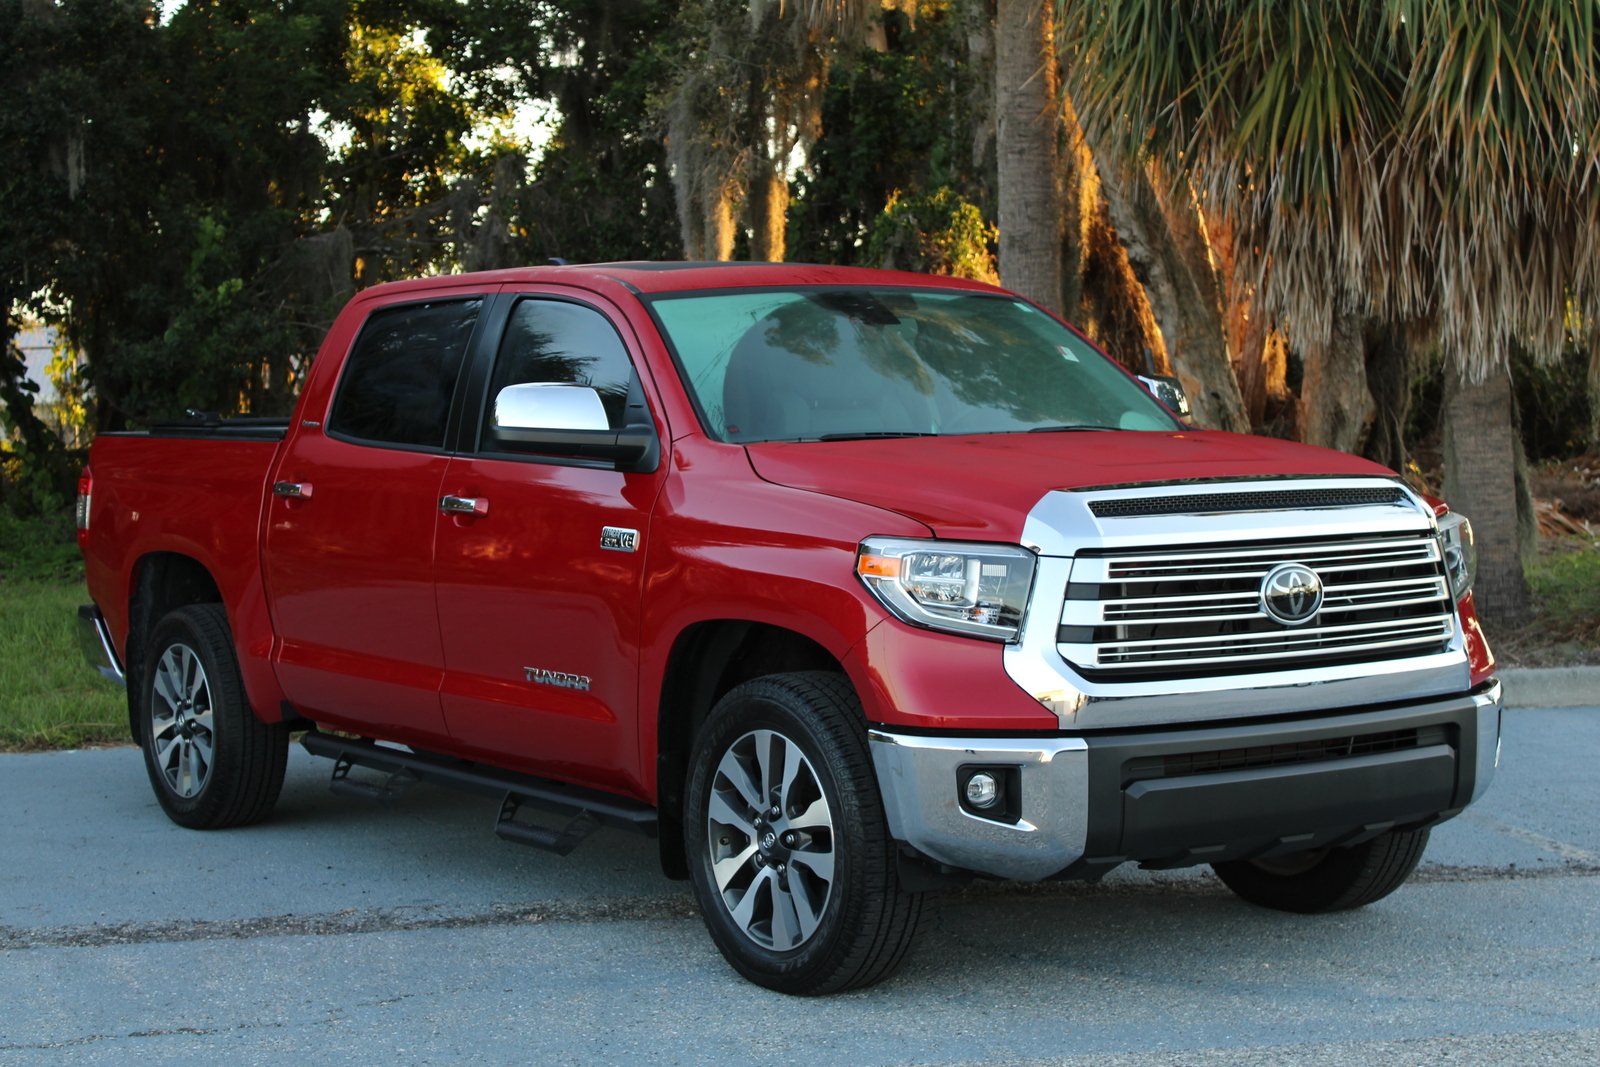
95, 640
1178, 797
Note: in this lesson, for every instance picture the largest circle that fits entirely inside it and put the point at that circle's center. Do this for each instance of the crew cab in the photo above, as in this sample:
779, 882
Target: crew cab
846, 585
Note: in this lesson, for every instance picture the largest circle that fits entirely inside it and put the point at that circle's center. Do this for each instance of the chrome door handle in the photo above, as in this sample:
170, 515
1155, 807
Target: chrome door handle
292, 490
464, 505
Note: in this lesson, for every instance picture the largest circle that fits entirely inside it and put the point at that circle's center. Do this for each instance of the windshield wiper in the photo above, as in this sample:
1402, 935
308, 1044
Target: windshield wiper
1069, 429
873, 433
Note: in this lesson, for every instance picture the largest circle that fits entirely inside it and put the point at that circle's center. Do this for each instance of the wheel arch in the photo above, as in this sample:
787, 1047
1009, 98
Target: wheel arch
708, 659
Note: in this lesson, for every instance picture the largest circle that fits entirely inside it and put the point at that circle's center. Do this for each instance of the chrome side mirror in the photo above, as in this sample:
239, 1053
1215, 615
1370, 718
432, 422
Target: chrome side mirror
561, 419
1167, 390
549, 406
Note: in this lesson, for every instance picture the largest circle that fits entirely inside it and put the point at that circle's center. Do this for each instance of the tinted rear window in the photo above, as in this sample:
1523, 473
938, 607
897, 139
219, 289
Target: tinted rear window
401, 374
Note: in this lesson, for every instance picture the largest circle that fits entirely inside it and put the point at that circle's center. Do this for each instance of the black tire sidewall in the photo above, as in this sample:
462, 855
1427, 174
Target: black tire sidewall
767, 704
191, 626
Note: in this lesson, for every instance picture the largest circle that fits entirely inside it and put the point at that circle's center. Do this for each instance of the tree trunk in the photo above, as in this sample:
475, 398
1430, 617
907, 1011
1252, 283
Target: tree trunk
1252, 373
1166, 251
768, 199
1335, 404
1481, 459
1026, 147
1388, 362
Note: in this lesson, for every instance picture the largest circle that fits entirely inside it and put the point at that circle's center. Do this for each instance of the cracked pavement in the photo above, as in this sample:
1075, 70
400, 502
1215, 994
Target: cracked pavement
341, 933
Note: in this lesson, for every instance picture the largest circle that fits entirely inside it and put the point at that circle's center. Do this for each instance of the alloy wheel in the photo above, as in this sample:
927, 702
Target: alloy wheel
770, 834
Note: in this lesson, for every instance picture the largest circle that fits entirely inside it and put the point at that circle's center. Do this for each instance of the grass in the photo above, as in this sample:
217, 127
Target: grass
49, 697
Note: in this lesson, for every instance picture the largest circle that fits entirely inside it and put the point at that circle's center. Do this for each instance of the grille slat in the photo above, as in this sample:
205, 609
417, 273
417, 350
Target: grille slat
1171, 612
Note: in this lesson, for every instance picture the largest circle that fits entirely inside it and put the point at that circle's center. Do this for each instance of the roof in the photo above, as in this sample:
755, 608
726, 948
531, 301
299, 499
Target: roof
642, 276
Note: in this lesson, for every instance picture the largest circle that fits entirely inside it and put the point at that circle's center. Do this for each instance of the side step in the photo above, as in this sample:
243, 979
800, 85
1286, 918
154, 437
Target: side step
585, 809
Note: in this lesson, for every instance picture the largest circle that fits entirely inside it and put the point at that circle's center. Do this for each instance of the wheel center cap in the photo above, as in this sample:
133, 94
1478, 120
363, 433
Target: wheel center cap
770, 840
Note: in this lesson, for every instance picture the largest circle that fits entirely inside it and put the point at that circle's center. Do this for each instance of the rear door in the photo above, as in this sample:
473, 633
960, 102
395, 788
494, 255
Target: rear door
538, 604
348, 553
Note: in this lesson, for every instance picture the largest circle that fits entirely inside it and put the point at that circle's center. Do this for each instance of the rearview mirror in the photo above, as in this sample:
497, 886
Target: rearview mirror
1167, 390
562, 419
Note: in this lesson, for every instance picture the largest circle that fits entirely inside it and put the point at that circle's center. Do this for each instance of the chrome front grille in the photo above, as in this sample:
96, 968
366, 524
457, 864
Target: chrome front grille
1192, 611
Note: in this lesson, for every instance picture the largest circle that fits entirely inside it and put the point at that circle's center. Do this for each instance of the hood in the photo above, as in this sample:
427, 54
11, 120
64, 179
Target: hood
982, 487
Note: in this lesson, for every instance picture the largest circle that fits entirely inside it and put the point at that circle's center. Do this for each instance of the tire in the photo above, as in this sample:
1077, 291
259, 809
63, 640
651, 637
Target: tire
807, 902
1332, 879
212, 763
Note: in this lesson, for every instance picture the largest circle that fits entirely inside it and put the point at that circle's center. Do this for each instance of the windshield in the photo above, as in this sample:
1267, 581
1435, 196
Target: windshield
816, 364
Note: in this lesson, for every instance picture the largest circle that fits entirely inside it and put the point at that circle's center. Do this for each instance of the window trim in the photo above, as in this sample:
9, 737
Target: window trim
488, 305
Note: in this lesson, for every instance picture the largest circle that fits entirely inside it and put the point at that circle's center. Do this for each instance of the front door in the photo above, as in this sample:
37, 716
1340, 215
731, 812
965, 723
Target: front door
538, 606
349, 541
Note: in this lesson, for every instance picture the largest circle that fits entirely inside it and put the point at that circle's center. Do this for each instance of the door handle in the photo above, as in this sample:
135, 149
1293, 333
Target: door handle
292, 490
464, 505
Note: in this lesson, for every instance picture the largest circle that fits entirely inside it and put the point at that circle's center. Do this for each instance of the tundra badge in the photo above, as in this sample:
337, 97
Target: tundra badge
556, 678
619, 540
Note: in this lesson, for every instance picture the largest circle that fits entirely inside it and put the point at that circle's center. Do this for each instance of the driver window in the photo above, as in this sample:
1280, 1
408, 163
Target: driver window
558, 341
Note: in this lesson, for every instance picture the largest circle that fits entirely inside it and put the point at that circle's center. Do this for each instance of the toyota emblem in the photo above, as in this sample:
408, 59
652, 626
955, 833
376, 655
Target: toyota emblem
1291, 593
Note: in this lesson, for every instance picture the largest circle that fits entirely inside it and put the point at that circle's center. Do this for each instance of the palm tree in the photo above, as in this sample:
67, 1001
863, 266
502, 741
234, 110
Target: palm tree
1421, 162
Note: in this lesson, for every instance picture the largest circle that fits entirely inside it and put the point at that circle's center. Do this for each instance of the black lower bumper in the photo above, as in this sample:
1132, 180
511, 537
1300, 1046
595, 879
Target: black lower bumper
1175, 798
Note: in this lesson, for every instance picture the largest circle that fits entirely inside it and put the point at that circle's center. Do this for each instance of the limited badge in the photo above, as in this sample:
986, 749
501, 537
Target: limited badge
619, 540
1291, 593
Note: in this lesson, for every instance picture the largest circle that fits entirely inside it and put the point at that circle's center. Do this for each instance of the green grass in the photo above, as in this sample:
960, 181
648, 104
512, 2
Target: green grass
1566, 593
49, 697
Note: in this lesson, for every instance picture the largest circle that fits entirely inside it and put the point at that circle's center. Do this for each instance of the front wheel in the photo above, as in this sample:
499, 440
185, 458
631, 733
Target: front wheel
788, 847
212, 763
1328, 879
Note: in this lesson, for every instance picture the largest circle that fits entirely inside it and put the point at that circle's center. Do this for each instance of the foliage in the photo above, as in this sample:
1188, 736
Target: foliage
43, 547
1425, 155
901, 125
939, 233
1566, 593
49, 698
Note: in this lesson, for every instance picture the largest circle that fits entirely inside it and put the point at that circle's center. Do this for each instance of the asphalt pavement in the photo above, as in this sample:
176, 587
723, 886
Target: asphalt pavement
341, 933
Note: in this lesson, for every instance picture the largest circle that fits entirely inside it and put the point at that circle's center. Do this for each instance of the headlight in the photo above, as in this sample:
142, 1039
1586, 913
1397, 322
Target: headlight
974, 589
1460, 554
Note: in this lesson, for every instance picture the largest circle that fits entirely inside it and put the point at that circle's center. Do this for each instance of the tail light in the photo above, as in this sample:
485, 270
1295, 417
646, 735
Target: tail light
85, 495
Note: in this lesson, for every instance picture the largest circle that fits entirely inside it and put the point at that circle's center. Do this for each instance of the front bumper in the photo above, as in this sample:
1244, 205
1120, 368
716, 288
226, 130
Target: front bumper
1178, 797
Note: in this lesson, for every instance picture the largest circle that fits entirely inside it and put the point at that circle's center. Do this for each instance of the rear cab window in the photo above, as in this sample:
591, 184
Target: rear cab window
398, 382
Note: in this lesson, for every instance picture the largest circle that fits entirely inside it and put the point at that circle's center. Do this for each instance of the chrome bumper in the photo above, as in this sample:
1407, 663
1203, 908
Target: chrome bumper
1068, 807
95, 640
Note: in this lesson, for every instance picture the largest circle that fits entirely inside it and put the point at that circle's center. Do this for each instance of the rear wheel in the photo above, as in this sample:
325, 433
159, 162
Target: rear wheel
788, 847
1328, 879
212, 763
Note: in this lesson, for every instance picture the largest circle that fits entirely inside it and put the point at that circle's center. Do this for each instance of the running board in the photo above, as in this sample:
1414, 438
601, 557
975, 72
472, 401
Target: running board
585, 809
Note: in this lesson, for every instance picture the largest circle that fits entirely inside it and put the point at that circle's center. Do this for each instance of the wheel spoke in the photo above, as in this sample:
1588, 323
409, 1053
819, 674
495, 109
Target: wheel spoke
764, 760
818, 863
193, 676
816, 816
723, 812
785, 923
166, 683
731, 769
746, 907
164, 753
725, 869
791, 767
808, 912
202, 749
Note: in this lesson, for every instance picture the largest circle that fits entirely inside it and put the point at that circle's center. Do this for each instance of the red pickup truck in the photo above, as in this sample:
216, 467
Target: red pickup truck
844, 584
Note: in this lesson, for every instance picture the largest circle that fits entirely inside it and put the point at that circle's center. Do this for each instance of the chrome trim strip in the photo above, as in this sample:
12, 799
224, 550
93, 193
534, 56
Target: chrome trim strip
94, 639
917, 776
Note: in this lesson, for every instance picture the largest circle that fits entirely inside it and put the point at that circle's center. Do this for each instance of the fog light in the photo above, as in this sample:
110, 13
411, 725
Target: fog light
982, 790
